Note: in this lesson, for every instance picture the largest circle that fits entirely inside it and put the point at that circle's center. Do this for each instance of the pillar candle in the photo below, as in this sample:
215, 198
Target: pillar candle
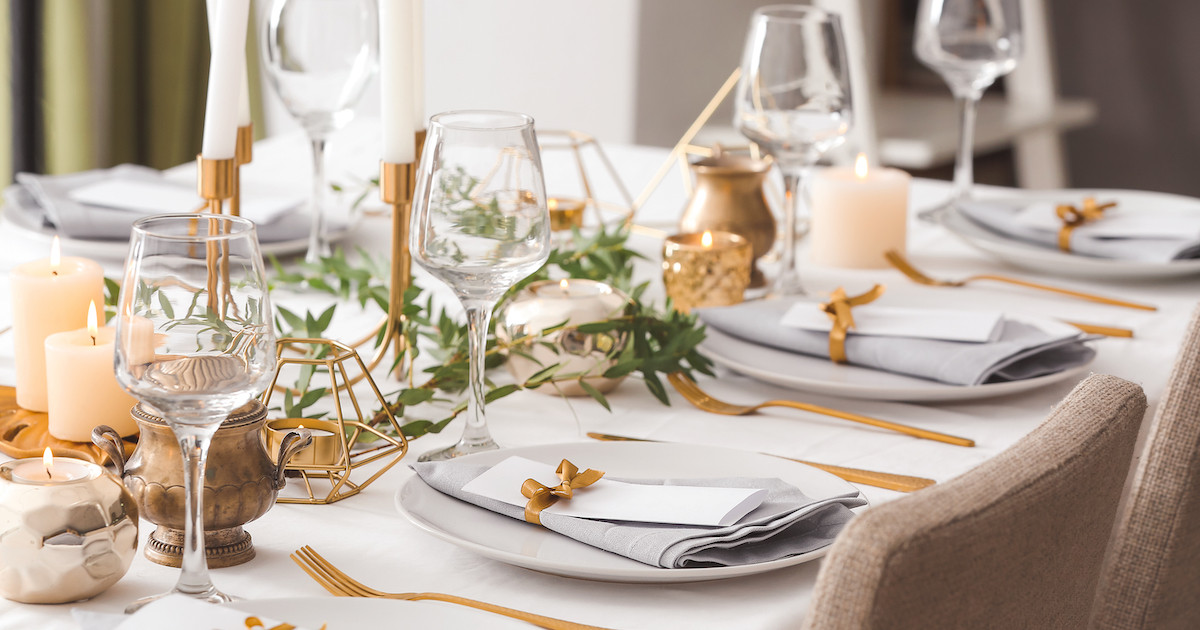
857, 215
82, 386
226, 71
396, 80
48, 296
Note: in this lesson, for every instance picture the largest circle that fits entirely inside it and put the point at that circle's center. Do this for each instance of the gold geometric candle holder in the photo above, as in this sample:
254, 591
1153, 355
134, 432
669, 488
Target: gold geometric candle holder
327, 480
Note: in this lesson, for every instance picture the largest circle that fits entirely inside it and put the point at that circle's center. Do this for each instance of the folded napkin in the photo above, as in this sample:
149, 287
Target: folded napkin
1125, 232
178, 612
45, 202
787, 523
1020, 351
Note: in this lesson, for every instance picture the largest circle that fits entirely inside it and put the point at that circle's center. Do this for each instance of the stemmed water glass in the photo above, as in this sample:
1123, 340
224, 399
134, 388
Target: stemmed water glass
480, 225
319, 55
971, 43
793, 99
195, 341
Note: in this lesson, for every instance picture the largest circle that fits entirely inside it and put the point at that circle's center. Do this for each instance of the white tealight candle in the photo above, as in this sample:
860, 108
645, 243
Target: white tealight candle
48, 296
50, 469
82, 387
857, 215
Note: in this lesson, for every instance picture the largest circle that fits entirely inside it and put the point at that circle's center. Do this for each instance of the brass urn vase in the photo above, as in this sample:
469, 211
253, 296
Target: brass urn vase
240, 484
729, 197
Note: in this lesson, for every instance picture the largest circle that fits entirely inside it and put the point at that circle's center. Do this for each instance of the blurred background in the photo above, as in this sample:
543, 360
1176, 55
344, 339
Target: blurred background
1105, 97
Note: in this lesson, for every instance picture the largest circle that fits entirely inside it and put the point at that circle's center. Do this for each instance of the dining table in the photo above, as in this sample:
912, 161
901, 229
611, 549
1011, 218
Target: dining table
366, 536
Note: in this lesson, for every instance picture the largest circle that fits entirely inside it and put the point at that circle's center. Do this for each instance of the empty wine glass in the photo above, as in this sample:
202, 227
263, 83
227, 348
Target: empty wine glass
195, 341
480, 225
793, 99
319, 55
971, 43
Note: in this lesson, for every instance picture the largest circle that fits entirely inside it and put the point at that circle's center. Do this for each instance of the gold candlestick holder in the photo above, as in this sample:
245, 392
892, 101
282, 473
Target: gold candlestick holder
215, 181
243, 153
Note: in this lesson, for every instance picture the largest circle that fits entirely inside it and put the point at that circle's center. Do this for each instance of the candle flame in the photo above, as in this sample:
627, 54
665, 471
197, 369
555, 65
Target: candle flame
564, 285
860, 166
552, 204
55, 255
706, 239
48, 462
91, 321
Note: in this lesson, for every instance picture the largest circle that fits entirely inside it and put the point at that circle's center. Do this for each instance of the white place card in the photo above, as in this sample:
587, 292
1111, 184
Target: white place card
619, 501
890, 321
1118, 222
150, 197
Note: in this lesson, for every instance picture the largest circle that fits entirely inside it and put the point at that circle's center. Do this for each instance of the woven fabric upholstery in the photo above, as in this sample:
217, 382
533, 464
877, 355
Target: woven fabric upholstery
1152, 578
1015, 543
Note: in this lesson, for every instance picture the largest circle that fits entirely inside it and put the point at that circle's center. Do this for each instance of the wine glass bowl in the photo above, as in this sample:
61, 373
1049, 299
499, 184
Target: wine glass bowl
195, 340
480, 224
793, 99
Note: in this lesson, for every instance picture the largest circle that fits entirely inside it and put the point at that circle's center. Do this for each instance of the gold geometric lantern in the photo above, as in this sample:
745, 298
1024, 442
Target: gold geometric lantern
333, 462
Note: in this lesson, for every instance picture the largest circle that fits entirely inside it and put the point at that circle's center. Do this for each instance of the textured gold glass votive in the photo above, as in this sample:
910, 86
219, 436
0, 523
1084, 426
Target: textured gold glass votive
565, 213
326, 449
706, 269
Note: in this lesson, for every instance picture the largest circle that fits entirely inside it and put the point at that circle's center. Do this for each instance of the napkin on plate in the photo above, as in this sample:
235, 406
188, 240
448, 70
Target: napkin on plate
1020, 351
1126, 232
787, 523
46, 201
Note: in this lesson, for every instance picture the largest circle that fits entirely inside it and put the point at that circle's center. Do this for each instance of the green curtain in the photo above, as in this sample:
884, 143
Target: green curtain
6, 131
122, 81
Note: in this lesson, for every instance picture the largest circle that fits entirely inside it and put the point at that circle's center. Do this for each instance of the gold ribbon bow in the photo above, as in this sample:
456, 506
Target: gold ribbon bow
838, 309
541, 497
1073, 217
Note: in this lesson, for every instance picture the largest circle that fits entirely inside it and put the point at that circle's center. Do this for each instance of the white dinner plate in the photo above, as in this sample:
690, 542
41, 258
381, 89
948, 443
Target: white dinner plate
356, 613
822, 376
1054, 262
533, 547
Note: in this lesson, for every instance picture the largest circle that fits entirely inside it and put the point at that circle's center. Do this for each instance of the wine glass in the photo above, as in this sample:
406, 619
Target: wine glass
195, 341
319, 55
970, 43
480, 225
793, 99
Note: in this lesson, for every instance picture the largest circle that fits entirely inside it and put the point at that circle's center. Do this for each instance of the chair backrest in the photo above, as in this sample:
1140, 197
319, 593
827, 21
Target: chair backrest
1152, 576
1015, 543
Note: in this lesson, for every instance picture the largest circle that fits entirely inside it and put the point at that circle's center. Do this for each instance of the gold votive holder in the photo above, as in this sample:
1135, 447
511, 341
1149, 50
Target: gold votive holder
327, 441
565, 213
710, 268
65, 536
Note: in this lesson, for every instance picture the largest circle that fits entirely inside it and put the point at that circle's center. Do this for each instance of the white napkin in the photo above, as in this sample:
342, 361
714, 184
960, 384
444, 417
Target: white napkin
1125, 232
177, 612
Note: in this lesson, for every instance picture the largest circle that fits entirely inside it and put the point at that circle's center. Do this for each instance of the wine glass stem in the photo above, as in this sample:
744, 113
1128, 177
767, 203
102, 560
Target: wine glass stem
317, 245
476, 434
788, 281
193, 444
964, 174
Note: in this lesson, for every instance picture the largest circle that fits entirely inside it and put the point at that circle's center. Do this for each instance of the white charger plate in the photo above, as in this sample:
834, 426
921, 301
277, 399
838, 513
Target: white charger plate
518, 543
356, 613
1054, 262
822, 376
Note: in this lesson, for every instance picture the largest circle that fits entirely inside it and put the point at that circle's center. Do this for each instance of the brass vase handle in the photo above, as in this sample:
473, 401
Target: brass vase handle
111, 443
295, 441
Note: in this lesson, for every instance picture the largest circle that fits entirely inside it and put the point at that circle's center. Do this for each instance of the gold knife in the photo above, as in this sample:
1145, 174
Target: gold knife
890, 481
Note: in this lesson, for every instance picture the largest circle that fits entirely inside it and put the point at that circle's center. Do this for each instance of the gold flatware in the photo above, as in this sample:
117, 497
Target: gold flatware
1097, 329
342, 585
5, 329
698, 397
900, 262
889, 481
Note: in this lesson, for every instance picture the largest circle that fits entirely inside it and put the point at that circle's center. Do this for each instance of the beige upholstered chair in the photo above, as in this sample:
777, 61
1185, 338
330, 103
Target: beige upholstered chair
1015, 543
1152, 575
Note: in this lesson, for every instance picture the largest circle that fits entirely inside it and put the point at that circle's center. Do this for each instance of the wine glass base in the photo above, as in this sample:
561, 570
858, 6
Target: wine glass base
212, 596
787, 283
458, 450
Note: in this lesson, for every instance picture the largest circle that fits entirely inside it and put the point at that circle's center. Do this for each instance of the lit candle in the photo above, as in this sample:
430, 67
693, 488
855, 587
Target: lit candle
565, 213
48, 296
226, 71
139, 341
397, 91
857, 215
326, 448
49, 469
81, 384
708, 269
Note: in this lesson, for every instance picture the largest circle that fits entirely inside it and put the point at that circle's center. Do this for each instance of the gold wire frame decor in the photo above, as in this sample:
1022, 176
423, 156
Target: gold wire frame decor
587, 154
336, 465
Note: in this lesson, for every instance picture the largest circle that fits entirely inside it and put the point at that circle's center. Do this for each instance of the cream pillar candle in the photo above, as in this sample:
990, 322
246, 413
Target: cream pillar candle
396, 86
82, 386
857, 215
225, 73
48, 296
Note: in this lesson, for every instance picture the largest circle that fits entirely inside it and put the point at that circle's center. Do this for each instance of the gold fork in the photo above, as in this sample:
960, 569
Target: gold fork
900, 262
343, 585
698, 397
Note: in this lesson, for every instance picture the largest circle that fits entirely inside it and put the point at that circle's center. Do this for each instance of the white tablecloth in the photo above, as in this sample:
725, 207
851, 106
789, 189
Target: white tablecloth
366, 536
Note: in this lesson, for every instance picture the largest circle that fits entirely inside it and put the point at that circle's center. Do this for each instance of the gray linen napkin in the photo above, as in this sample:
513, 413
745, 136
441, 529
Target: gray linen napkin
786, 524
999, 215
1022, 350
43, 202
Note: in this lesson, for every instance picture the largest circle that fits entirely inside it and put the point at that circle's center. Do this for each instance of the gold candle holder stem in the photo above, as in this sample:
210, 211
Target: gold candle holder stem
243, 153
215, 183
